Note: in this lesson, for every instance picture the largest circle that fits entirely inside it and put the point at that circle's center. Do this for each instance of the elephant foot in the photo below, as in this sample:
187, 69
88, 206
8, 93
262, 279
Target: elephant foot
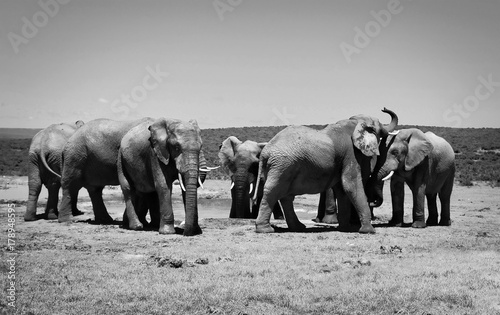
77, 212
418, 225
264, 228
30, 217
330, 219
191, 230
395, 223
104, 220
64, 218
367, 228
167, 229
136, 226
51, 216
297, 227
431, 222
316, 219
445, 222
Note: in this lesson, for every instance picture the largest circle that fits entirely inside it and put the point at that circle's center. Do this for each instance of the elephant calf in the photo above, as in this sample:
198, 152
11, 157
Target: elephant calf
151, 156
426, 163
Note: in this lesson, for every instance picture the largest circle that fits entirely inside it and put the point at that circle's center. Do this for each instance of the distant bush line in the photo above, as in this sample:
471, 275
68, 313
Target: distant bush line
477, 150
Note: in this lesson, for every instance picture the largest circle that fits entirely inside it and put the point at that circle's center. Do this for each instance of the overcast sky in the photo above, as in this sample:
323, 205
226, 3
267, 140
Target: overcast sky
250, 62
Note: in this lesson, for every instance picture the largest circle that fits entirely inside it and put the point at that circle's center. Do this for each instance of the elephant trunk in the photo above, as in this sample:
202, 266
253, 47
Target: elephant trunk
394, 120
191, 184
376, 195
240, 206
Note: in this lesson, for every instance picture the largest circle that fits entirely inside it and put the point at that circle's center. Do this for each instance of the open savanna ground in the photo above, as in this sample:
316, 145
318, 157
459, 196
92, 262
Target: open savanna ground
84, 268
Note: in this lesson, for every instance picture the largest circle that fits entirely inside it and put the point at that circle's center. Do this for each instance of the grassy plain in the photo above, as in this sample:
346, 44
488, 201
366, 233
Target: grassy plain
103, 269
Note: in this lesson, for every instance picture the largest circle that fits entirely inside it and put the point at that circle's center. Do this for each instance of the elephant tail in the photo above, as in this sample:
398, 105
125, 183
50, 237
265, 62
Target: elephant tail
44, 161
262, 161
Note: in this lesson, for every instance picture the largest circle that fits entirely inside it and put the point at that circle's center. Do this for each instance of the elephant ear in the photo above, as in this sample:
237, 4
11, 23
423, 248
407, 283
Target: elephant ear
158, 139
227, 151
419, 147
365, 139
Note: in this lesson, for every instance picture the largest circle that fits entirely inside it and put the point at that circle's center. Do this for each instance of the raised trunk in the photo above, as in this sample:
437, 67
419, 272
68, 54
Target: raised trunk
191, 226
240, 205
394, 120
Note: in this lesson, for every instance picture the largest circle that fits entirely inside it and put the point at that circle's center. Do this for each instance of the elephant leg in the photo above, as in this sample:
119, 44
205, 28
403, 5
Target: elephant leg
34, 188
444, 197
419, 206
398, 198
433, 212
292, 221
344, 211
353, 187
100, 212
330, 216
269, 199
74, 209
321, 207
277, 212
51, 212
68, 201
131, 200
166, 211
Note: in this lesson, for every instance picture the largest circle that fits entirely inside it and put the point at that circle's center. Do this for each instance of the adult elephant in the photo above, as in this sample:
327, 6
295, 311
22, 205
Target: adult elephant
45, 166
426, 162
152, 155
89, 160
301, 160
241, 160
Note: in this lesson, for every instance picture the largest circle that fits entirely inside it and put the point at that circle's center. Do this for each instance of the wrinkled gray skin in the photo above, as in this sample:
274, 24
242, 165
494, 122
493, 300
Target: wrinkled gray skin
152, 155
301, 160
327, 207
426, 163
241, 160
45, 160
89, 160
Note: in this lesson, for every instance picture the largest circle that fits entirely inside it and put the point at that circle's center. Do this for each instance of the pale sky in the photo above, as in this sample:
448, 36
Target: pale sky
250, 62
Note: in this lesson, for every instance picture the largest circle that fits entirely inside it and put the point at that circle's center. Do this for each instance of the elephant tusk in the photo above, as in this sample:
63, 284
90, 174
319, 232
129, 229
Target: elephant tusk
388, 176
393, 133
199, 182
208, 168
181, 183
251, 188
232, 185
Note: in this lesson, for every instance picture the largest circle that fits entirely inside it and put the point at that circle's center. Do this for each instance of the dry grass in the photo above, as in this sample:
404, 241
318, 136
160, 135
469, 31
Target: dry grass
90, 269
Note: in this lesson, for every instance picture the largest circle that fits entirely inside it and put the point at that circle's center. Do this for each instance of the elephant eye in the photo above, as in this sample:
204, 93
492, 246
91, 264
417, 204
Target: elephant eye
395, 152
370, 129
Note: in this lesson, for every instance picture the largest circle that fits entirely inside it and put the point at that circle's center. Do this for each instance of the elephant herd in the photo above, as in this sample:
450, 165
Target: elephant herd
346, 162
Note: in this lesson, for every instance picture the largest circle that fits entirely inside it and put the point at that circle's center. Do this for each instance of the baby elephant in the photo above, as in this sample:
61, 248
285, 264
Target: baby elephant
426, 163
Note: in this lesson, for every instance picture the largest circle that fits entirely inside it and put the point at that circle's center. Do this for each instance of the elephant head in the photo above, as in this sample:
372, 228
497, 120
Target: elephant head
241, 160
369, 137
406, 149
177, 144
